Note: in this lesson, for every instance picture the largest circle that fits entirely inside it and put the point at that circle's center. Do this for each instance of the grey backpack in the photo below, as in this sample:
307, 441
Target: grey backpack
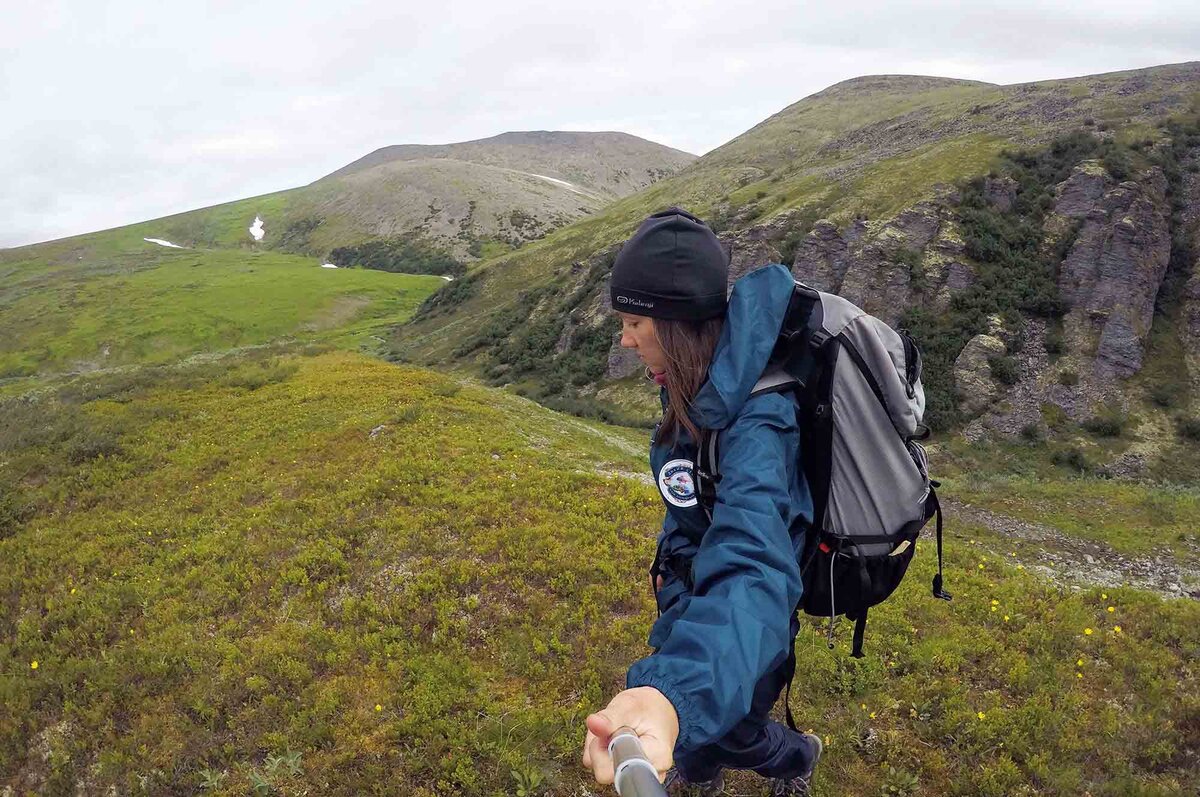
857, 384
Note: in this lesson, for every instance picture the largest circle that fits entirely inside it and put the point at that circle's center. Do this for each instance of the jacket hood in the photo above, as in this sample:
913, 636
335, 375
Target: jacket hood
757, 305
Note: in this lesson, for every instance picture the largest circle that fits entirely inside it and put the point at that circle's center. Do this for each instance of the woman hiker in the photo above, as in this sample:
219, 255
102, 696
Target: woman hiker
727, 590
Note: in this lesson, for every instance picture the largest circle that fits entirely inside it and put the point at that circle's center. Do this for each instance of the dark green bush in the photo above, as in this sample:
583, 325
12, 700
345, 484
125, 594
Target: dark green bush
1005, 369
1106, 424
1056, 342
1071, 458
449, 295
1068, 378
399, 255
1164, 395
93, 445
1189, 428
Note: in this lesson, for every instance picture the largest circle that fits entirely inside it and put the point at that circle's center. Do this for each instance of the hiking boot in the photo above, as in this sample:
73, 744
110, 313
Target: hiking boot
676, 786
800, 785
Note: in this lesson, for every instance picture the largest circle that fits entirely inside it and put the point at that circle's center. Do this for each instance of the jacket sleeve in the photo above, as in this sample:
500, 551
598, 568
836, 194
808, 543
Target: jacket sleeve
736, 627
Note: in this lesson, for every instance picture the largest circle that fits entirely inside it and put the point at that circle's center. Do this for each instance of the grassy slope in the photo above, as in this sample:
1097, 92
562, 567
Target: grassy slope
217, 564
64, 306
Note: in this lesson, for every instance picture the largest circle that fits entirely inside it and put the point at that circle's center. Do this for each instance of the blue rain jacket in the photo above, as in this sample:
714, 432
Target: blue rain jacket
714, 642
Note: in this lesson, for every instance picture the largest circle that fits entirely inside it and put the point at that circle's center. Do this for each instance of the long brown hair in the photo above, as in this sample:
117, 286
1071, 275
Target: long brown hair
688, 346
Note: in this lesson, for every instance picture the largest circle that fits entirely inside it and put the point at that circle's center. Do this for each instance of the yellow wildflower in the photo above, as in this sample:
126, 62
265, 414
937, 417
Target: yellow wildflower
33, 664
1079, 663
1006, 618
1103, 596
1112, 608
1087, 632
982, 716
378, 707
1078, 675
993, 608
995, 602
1116, 629
872, 715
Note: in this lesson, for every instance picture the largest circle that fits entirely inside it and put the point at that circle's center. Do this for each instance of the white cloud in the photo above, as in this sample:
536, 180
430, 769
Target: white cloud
116, 115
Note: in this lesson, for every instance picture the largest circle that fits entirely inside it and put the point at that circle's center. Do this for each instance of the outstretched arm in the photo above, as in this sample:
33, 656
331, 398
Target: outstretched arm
736, 627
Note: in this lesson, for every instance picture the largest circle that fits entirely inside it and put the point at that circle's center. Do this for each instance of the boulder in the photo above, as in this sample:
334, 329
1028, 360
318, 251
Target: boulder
977, 389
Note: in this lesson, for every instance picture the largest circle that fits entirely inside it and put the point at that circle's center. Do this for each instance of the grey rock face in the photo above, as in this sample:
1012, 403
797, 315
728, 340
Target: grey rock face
1191, 326
621, 362
823, 257
1000, 192
757, 246
1112, 273
1190, 309
915, 258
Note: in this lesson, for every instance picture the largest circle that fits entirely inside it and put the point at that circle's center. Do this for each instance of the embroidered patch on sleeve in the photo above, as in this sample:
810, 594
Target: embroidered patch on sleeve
676, 483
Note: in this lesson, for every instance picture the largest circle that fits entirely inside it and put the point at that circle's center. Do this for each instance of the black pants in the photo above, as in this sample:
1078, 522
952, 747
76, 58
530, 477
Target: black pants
757, 743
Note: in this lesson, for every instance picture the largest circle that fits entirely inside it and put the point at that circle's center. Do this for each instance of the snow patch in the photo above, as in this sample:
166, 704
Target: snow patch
328, 265
161, 242
556, 181
447, 279
256, 229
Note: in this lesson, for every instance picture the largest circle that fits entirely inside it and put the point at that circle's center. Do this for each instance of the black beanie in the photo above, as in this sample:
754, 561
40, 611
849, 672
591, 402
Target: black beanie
672, 267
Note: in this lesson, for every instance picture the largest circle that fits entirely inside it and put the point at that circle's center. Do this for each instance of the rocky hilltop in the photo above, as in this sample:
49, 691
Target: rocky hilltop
411, 205
610, 164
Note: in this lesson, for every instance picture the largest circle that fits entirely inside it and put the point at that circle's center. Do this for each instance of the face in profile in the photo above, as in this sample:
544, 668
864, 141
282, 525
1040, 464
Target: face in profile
637, 333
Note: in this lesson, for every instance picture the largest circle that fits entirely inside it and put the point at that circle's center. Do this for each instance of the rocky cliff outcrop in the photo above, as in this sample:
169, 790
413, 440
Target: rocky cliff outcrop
1116, 236
1112, 273
1190, 307
884, 267
759, 245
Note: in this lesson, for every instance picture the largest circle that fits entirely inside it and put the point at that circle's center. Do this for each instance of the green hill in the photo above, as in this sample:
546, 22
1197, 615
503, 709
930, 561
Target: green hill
970, 213
289, 572
115, 297
113, 307
466, 199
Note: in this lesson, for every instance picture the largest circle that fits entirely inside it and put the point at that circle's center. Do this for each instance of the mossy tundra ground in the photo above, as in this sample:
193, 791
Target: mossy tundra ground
296, 571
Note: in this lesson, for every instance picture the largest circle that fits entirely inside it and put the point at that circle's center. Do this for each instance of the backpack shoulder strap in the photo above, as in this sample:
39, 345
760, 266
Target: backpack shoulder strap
707, 475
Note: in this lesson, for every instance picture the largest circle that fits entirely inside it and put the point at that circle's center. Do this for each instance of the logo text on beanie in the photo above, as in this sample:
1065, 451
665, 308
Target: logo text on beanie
631, 300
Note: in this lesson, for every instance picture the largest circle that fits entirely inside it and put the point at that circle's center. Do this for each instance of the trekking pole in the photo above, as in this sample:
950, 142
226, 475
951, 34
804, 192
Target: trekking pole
634, 775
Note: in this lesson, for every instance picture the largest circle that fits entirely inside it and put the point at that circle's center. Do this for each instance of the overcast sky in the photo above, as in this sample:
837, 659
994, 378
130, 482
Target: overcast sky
118, 112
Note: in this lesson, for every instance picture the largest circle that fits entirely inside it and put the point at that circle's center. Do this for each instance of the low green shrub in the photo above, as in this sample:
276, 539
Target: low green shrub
1071, 458
1189, 428
1005, 369
1106, 424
